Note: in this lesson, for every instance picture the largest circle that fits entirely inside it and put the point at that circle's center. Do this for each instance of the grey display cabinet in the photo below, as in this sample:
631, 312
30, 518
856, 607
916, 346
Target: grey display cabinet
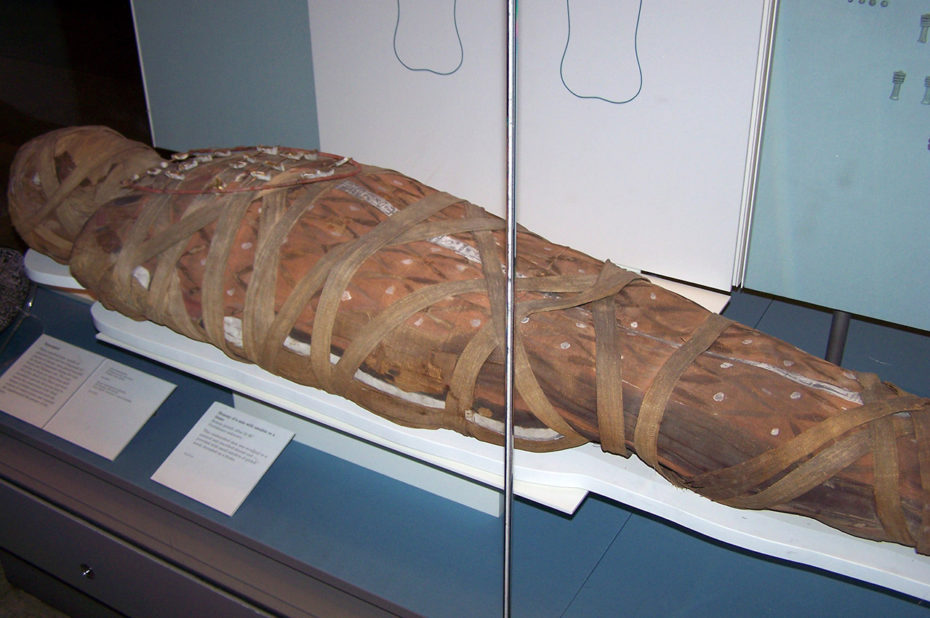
140, 558
99, 530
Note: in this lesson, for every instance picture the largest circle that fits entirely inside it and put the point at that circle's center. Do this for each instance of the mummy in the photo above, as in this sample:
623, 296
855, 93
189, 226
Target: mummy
371, 285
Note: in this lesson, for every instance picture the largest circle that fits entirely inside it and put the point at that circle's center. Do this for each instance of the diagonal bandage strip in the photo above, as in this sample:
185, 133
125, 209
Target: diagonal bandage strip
127, 261
609, 282
609, 379
885, 464
108, 152
809, 474
331, 274
340, 274
743, 477
655, 400
921, 422
259, 317
215, 269
885, 467
524, 378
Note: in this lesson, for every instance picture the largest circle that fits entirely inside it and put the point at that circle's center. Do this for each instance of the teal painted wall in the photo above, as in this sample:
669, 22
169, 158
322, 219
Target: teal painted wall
229, 73
842, 215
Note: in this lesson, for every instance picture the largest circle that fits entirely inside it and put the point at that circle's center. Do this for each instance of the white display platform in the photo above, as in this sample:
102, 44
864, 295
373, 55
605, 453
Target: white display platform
45, 271
559, 480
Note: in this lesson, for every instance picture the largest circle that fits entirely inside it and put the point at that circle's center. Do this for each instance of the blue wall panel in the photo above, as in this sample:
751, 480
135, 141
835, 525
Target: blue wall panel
842, 217
227, 73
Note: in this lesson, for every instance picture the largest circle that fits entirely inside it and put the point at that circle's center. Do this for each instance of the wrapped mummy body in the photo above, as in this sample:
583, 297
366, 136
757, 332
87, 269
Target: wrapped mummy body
373, 286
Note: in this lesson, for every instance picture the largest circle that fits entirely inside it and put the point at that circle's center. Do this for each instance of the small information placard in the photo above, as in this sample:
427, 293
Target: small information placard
223, 457
80, 396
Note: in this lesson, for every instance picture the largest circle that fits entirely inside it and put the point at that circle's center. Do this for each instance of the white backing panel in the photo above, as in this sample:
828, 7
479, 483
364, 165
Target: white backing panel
444, 130
654, 184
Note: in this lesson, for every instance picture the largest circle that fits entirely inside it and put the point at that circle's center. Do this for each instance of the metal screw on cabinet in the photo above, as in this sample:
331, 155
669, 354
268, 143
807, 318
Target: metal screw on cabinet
924, 27
897, 79
87, 572
926, 100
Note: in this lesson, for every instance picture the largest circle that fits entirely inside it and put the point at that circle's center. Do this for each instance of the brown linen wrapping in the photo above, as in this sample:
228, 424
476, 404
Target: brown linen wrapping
368, 284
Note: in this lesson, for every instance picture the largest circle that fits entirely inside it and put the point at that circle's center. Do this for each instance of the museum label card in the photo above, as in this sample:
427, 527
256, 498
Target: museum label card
80, 396
223, 457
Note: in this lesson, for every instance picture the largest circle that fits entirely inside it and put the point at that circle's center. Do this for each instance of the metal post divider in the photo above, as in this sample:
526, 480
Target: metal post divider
509, 316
